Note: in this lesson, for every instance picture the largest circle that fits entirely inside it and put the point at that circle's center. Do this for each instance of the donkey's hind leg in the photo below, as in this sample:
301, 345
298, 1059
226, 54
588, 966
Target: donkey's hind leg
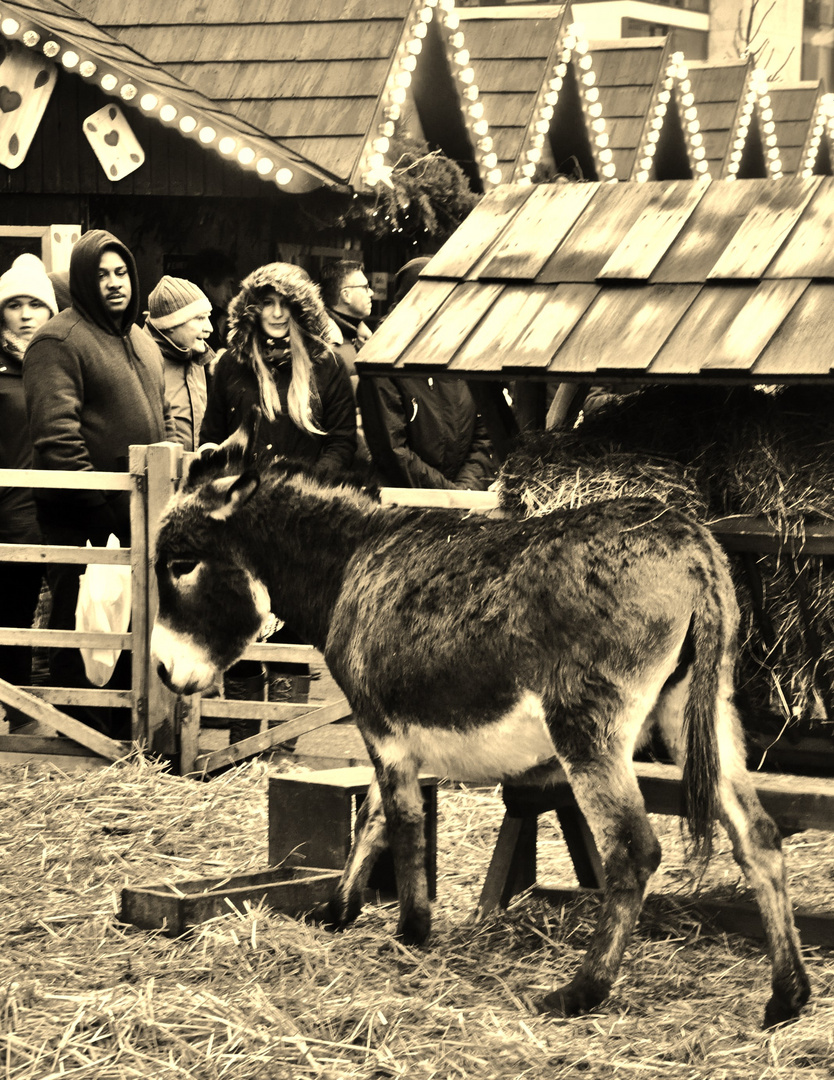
609, 796
757, 847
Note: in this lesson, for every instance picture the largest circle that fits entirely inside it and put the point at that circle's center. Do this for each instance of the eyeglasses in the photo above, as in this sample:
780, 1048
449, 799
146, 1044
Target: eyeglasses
370, 288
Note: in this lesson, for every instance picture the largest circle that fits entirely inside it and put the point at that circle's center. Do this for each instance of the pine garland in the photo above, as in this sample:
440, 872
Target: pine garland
424, 193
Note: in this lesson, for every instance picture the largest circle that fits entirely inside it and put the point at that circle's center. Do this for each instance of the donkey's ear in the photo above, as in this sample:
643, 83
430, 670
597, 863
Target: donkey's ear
245, 439
237, 453
237, 495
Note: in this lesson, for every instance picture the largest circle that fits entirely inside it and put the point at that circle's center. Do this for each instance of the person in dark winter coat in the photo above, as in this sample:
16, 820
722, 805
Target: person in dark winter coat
94, 386
279, 359
27, 301
424, 433
178, 321
348, 297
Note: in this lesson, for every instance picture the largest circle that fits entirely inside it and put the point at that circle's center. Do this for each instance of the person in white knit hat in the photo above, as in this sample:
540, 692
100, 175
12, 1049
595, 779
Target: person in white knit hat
178, 321
27, 301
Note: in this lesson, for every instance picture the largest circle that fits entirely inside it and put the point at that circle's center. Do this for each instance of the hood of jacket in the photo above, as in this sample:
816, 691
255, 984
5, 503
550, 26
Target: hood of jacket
291, 282
84, 287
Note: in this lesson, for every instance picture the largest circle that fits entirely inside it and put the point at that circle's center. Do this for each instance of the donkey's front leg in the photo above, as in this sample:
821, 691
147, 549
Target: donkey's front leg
369, 839
404, 815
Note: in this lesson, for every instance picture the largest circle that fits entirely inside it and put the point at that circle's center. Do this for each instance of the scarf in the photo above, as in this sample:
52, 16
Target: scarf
13, 344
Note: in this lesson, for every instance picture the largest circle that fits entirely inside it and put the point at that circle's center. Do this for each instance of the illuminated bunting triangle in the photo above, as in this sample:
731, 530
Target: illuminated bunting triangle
801, 113
516, 52
649, 109
737, 122
432, 83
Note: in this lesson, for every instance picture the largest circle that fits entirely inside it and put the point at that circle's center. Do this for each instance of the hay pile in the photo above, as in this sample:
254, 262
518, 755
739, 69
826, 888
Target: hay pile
716, 452
265, 997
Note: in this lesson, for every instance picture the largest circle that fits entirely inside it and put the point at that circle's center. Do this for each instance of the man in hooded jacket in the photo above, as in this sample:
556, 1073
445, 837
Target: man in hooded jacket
94, 386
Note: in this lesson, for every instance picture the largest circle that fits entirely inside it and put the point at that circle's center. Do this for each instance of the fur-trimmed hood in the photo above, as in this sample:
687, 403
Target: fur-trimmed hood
293, 283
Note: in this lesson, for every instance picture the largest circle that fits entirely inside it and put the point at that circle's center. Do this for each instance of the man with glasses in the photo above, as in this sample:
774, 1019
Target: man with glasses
348, 297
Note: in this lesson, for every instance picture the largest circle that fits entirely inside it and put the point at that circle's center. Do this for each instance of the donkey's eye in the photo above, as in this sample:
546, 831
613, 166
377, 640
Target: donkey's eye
181, 567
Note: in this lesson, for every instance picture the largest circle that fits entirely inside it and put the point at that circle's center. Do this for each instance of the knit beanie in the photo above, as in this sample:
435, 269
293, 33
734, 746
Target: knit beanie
174, 301
27, 277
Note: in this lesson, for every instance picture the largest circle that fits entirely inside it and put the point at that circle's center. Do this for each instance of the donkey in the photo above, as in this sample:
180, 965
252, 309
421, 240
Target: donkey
471, 646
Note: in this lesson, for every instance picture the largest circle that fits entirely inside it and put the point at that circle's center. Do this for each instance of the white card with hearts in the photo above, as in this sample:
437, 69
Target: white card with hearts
26, 83
113, 142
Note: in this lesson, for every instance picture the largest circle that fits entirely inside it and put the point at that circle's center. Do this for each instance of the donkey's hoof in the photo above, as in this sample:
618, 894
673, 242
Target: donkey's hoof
415, 929
331, 915
573, 999
778, 1011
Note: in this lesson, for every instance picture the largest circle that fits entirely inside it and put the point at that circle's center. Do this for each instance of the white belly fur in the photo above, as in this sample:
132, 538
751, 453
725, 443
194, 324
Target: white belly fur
504, 748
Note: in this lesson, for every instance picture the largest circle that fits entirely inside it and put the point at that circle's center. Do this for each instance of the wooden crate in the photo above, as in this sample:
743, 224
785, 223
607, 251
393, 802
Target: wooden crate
174, 908
311, 817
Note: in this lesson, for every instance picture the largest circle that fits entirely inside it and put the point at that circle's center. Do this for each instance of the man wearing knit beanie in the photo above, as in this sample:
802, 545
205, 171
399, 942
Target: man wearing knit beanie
178, 321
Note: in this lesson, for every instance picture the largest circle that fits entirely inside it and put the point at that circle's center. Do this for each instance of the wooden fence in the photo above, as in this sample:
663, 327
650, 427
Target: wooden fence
162, 722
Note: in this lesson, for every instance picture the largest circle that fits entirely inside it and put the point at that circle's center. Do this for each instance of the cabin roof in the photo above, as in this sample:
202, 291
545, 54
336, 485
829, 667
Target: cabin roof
78, 31
658, 281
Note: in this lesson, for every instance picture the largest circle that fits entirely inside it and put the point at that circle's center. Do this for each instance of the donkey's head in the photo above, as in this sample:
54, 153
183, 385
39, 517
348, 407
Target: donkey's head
211, 604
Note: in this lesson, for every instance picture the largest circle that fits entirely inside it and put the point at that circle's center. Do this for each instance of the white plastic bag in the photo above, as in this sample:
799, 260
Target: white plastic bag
103, 606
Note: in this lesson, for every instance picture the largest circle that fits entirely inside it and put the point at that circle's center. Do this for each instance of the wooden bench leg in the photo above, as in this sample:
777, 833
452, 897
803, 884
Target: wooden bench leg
512, 868
581, 847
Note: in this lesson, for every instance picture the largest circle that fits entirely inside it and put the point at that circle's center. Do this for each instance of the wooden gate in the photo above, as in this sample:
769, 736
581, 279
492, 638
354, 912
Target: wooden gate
163, 723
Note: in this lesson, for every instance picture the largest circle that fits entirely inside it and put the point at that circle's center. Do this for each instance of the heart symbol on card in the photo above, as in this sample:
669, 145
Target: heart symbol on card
9, 99
112, 113
114, 170
14, 145
134, 157
41, 79
111, 138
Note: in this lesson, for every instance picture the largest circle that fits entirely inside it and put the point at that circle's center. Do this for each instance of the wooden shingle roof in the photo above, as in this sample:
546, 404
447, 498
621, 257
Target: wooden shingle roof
800, 114
63, 31
734, 109
309, 74
513, 58
649, 109
656, 282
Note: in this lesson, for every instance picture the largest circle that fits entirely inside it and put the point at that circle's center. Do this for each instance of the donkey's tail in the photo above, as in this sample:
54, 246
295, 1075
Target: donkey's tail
712, 632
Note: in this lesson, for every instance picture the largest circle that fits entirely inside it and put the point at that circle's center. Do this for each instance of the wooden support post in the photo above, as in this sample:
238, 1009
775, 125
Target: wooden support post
164, 463
513, 865
139, 619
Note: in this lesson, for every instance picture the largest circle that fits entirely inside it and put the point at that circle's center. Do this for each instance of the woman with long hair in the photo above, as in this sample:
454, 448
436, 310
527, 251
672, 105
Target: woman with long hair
278, 358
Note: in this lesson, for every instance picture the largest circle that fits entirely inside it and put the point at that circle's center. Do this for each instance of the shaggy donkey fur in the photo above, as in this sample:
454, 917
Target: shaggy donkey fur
472, 646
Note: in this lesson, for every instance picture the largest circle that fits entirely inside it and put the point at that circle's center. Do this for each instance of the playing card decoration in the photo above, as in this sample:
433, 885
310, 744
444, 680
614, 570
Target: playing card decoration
113, 142
26, 82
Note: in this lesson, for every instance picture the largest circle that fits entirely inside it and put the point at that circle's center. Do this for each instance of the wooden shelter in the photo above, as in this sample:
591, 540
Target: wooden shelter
665, 282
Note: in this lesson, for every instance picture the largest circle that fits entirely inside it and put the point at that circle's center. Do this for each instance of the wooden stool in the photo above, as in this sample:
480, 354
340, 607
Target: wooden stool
311, 819
794, 802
